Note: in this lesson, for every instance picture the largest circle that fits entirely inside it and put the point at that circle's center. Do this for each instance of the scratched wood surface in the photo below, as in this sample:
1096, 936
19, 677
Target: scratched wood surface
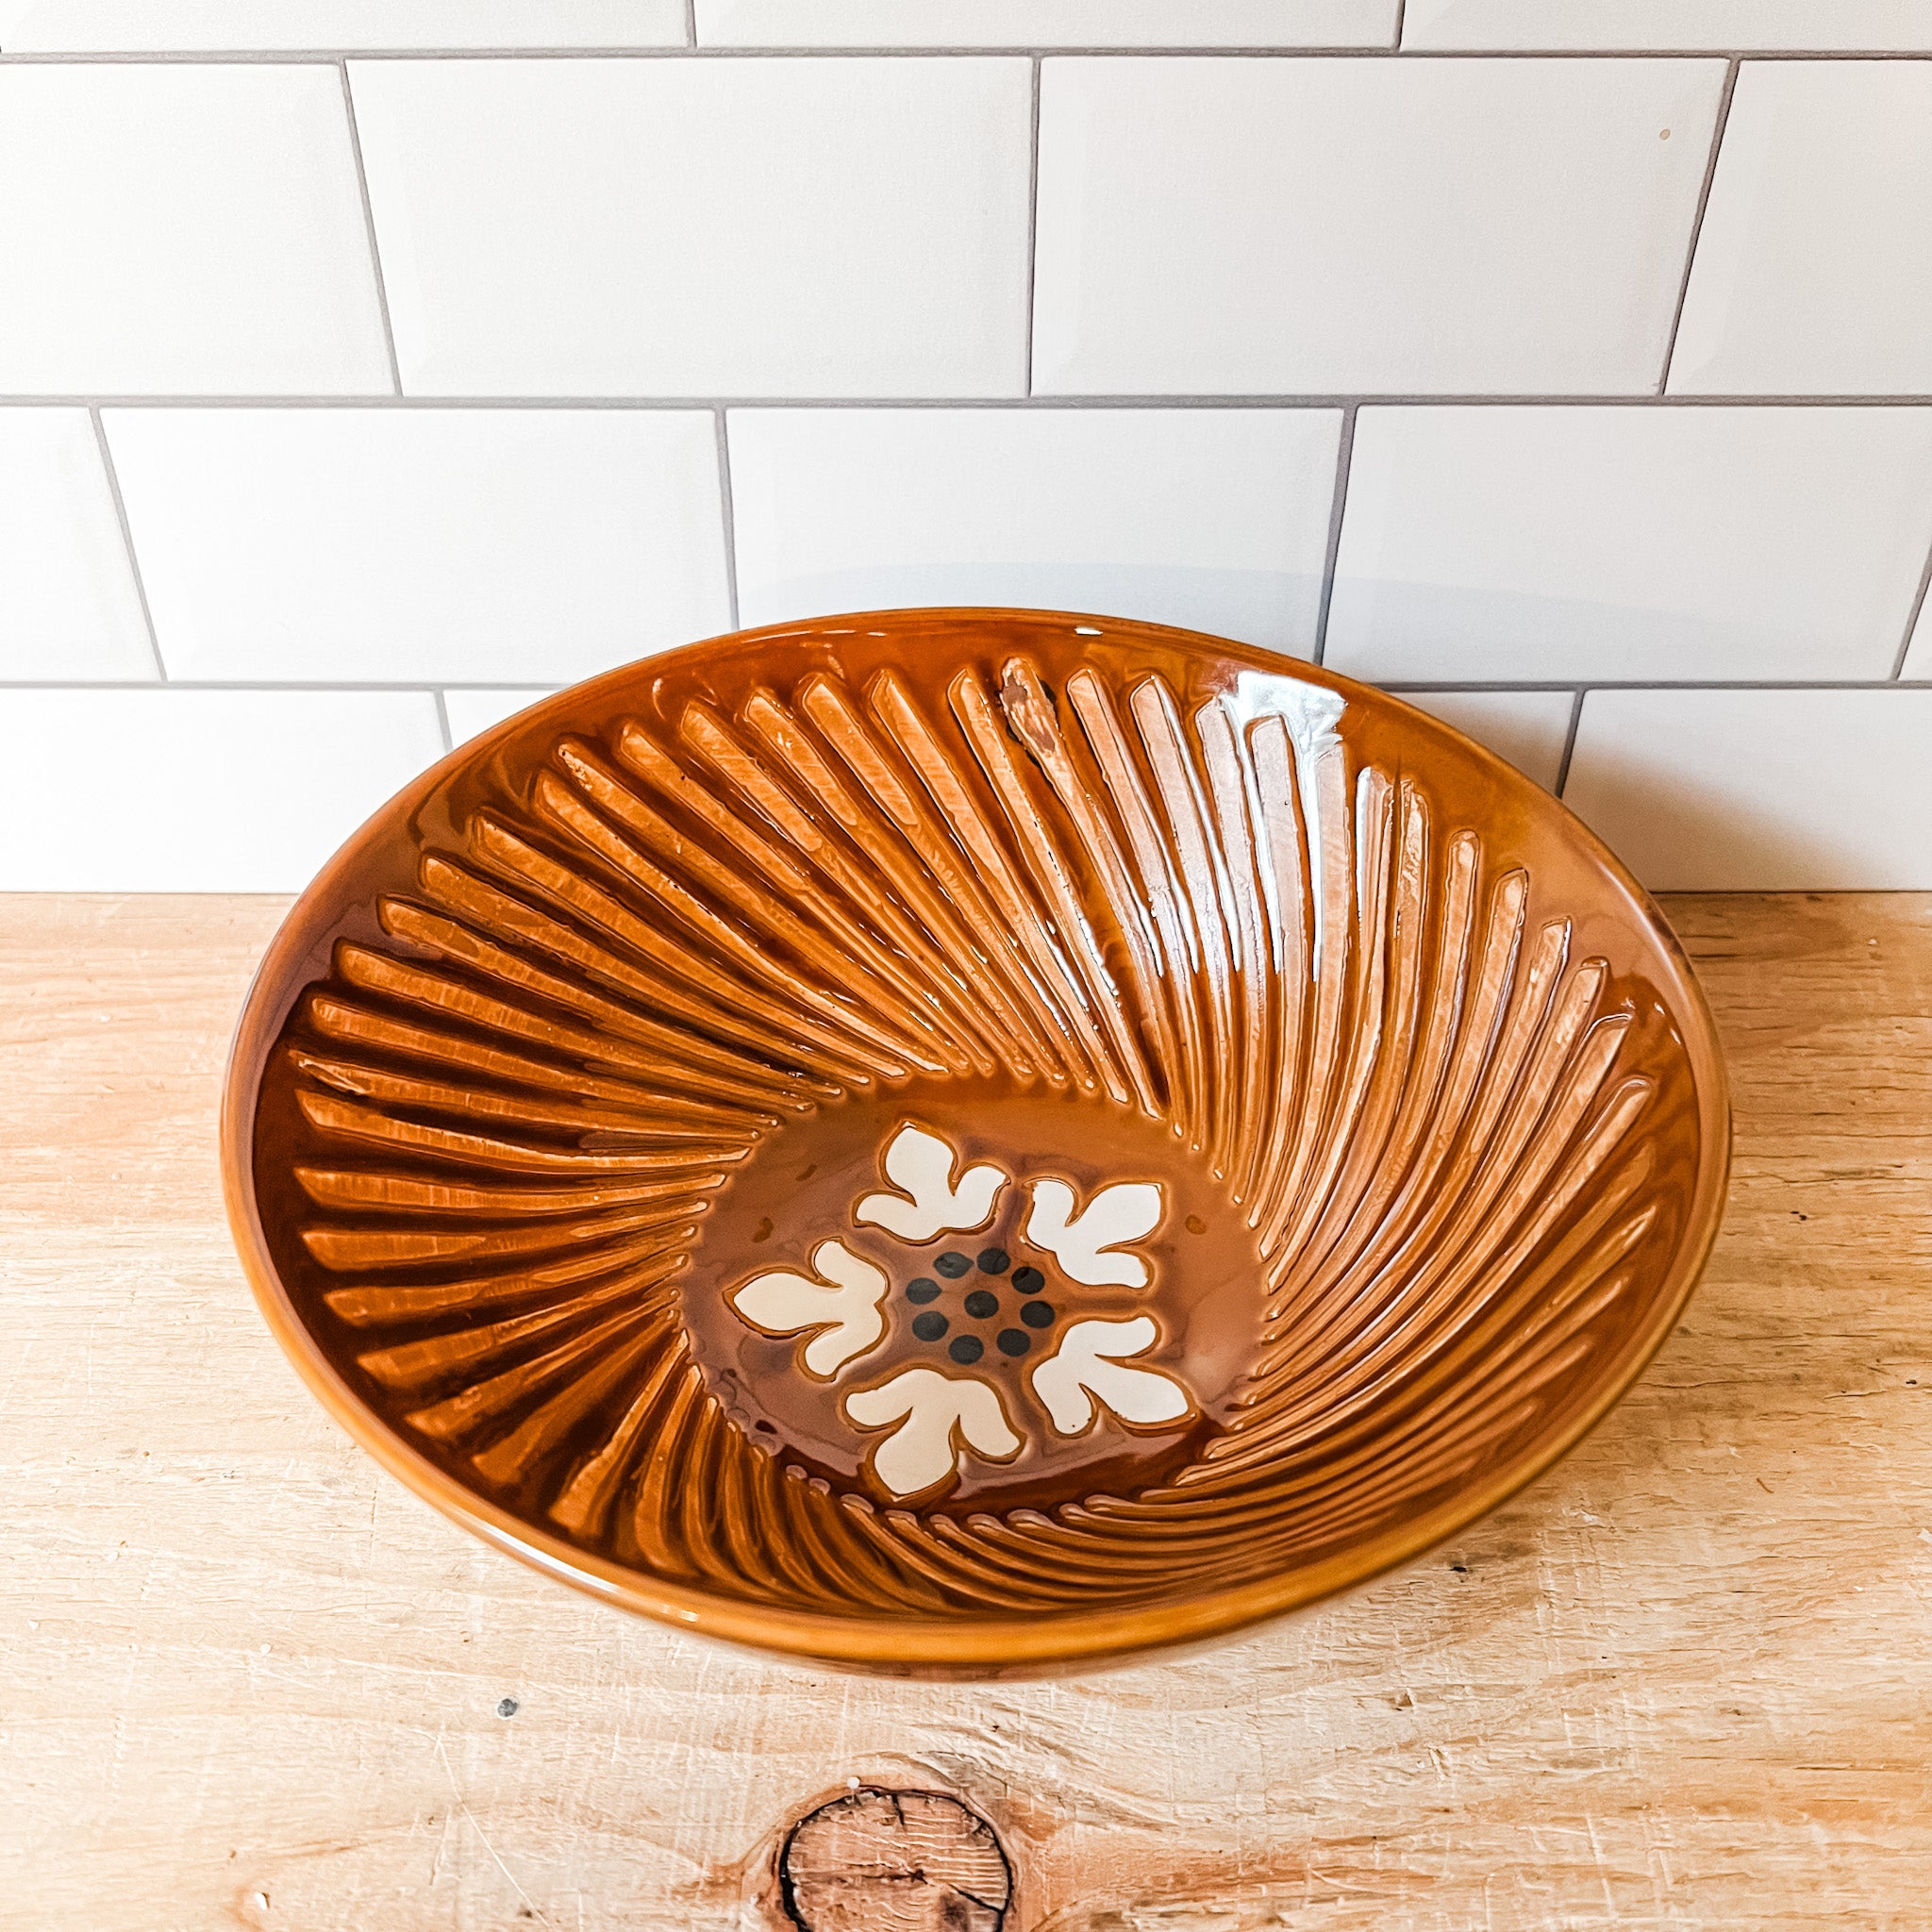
1685, 1680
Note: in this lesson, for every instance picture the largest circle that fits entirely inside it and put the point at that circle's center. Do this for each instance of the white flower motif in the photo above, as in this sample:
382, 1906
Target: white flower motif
931, 1421
920, 1165
939, 1418
846, 1314
1087, 1368
1082, 1243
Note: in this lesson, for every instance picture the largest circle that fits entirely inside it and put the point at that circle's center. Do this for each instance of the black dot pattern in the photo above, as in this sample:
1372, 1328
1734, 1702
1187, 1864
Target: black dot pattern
981, 1304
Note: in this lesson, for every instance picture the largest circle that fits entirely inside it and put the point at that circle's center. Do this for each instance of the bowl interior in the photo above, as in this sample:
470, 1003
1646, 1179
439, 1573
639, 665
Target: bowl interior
971, 1138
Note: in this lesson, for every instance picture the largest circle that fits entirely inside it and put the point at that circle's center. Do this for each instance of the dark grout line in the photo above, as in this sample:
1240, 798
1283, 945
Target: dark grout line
729, 509
690, 24
1905, 643
1608, 53
1568, 746
234, 56
1032, 220
1443, 399
147, 616
400, 687
1401, 685
1717, 137
1338, 504
309, 57
1401, 17
449, 742
1398, 686
389, 334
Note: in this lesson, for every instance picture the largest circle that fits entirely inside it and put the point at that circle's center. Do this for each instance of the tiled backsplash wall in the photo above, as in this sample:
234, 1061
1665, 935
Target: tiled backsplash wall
368, 366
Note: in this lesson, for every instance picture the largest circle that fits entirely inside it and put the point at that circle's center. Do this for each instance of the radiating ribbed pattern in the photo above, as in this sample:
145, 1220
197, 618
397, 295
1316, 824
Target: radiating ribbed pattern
694, 930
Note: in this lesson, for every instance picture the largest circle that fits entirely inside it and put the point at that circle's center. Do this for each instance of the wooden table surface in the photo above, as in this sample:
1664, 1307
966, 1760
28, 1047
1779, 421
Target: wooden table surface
1685, 1680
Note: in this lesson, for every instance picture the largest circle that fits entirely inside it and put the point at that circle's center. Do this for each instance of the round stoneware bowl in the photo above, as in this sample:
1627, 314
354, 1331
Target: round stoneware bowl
972, 1142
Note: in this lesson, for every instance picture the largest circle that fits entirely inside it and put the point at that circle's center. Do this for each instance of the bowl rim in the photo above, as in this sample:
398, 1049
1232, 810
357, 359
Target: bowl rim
901, 1642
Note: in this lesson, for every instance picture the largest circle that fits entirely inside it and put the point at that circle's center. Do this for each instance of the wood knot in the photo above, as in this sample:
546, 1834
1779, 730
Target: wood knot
879, 1860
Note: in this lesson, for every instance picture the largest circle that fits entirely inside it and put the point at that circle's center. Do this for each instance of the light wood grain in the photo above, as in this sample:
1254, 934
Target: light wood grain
1684, 1681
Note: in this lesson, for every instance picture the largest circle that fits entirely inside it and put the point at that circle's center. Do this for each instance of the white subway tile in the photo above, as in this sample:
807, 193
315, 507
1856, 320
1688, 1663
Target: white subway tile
183, 229
1814, 265
1214, 519
1045, 23
1697, 26
702, 227
1760, 790
1528, 729
112, 27
68, 604
1241, 227
1626, 543
391, 545
472, 712
197, 791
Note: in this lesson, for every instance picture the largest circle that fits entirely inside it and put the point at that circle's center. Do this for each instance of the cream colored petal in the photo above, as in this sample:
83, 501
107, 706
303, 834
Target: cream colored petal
847, 1313
1082, 1243
920, 1165
939, 1418
1087, 1368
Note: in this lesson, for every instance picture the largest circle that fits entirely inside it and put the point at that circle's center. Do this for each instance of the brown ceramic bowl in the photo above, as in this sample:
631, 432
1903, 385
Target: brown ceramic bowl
972, 1142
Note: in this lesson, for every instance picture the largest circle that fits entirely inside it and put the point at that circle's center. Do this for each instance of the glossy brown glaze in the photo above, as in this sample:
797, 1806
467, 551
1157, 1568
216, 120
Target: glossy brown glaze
802, 1188
973, 1139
